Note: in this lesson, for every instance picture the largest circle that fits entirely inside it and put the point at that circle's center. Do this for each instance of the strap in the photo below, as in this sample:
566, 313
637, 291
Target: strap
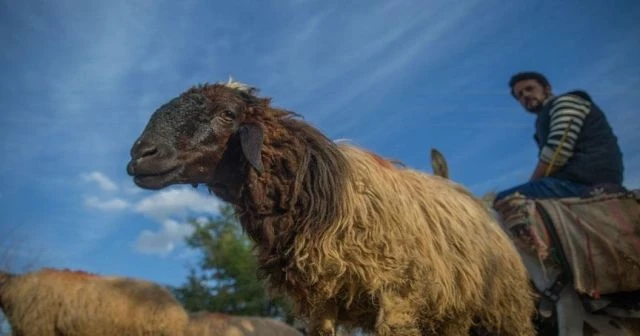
566, 276
557, 151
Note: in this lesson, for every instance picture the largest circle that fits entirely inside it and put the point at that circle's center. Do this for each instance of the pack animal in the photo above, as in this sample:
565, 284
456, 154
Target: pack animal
568, 315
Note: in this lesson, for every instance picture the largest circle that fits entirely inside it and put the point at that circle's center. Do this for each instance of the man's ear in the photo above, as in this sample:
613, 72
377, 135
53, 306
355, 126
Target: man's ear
251, 138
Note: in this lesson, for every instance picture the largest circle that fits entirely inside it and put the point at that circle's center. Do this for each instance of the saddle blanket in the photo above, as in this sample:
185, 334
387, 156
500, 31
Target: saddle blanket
599, 235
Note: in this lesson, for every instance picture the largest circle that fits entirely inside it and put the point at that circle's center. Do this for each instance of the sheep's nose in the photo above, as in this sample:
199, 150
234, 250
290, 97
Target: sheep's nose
143, 149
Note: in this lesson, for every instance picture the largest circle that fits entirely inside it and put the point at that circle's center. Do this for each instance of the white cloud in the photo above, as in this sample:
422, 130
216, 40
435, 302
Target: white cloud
103, 181
177, 202
165, 240
170, 203
113, 204
161, 206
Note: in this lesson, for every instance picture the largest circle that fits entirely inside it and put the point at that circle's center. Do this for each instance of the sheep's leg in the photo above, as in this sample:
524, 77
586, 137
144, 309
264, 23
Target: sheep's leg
323, 319
397, 317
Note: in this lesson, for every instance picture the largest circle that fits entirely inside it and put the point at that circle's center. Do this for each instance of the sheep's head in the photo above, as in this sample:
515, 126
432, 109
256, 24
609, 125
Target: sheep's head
186, 138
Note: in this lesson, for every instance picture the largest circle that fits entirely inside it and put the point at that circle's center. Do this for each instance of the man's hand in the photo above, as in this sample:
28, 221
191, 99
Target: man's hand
541, 170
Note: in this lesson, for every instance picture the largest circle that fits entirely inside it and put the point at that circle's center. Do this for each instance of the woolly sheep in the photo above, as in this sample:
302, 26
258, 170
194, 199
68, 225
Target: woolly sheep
204, 323
350, 237
52, 302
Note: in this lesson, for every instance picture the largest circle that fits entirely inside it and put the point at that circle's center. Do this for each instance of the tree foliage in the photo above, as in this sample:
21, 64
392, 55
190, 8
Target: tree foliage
225, 278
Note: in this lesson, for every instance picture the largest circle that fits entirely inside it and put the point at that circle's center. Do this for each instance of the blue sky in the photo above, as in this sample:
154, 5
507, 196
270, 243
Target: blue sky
79, 80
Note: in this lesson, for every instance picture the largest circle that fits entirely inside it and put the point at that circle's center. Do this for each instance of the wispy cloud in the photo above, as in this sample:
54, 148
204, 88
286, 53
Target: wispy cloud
113, 204
366, 57
167, 238
103, 182
166, 207
84, 93
177, 202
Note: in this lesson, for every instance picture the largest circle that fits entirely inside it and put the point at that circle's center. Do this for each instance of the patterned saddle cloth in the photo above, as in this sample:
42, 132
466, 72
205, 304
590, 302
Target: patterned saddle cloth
599, 235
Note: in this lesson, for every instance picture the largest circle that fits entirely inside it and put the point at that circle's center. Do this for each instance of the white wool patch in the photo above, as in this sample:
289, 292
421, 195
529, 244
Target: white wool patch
344, 141
234, 84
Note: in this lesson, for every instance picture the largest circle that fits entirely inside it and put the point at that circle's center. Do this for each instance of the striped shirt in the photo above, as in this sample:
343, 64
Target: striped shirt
568, 113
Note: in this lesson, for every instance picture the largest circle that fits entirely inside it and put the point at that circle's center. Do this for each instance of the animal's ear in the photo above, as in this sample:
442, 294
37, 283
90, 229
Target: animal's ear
251, 137
439, 164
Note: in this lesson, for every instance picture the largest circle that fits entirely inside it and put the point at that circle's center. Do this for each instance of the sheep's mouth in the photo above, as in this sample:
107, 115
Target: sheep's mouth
154, 179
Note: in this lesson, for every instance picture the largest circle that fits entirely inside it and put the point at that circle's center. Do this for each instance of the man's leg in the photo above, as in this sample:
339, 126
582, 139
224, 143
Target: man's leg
546, 187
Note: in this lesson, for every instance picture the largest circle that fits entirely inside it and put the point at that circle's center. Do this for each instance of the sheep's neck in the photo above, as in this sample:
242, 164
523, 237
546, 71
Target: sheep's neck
269, 203
299, 191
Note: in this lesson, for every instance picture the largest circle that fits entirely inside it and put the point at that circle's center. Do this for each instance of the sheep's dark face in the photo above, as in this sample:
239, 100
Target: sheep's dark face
186, 138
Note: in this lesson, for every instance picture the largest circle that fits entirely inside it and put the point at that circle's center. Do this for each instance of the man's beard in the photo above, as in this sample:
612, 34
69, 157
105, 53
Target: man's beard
534, 108
537, 107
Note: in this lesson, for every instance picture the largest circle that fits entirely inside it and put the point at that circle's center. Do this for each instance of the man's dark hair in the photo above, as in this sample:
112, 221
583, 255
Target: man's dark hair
538, 77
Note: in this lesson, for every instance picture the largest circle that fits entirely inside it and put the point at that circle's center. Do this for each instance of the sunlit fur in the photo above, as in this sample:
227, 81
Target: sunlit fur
349, 235
426, 248
59, 302
216, 324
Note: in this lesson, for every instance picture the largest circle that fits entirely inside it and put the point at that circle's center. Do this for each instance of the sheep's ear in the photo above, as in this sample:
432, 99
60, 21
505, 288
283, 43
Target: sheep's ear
251, 137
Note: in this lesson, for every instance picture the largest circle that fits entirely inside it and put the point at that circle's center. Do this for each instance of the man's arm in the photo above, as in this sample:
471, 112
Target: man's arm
567, 116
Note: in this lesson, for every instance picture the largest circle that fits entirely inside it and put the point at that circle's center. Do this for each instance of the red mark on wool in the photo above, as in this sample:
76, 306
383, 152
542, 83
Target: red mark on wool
381, 161
79, 274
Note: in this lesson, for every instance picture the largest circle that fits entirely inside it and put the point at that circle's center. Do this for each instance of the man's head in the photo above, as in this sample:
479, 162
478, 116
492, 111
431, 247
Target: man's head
531, 89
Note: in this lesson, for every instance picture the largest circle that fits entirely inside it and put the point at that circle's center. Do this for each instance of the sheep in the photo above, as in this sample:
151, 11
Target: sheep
571, 316
351, 238
73, 303
203, 323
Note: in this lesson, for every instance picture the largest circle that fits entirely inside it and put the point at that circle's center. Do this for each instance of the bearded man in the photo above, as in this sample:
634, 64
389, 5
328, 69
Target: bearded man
577, 147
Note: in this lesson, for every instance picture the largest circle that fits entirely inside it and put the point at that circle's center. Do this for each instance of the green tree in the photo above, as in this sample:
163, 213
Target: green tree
225, 278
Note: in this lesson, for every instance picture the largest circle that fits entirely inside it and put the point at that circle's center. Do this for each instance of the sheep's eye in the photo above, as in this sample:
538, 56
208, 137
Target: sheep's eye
229, 114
